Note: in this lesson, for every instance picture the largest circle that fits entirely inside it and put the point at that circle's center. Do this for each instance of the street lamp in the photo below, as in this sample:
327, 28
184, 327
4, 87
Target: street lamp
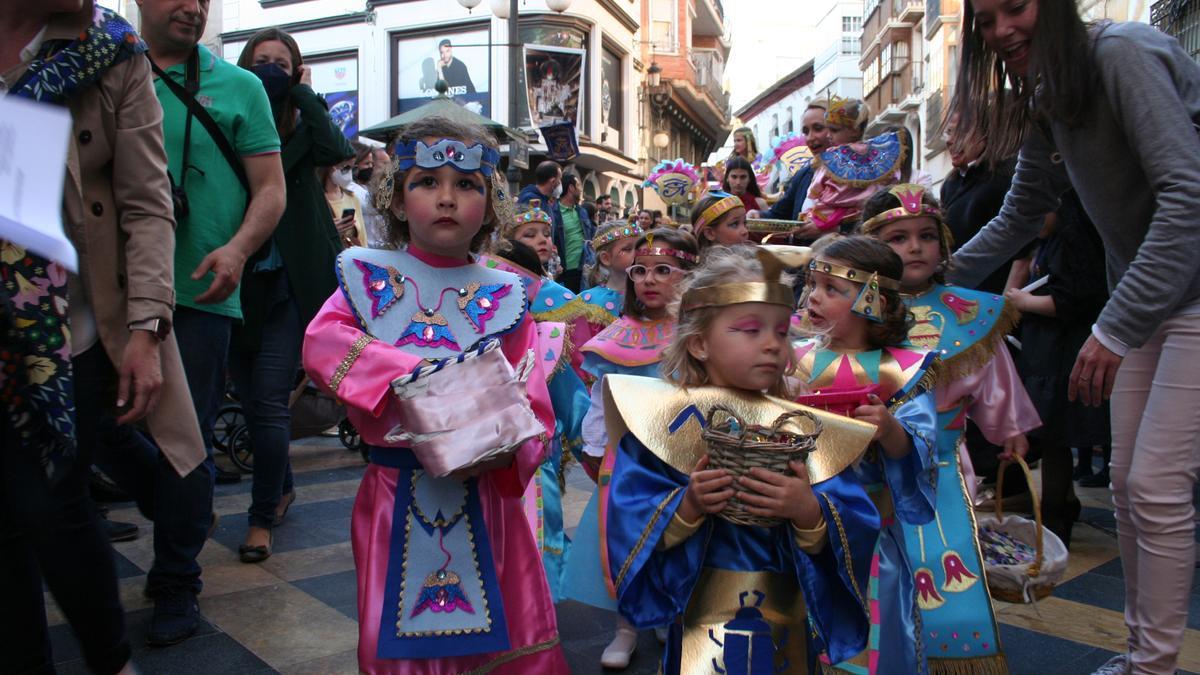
662, 140
654, 75
500, 8
470, 4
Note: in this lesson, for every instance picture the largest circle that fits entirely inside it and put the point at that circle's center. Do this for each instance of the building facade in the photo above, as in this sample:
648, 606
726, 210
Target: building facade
685, 114
377, 58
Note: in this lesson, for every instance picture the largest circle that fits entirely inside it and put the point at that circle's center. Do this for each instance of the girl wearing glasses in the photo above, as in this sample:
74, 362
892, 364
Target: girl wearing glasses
632, 345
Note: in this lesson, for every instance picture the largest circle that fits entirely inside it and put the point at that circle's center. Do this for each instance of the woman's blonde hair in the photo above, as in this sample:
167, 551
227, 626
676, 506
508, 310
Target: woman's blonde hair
723, 265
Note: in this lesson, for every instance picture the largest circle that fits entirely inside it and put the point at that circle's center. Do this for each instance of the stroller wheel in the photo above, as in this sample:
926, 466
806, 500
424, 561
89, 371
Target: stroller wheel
348, 435
229, 419
239, 449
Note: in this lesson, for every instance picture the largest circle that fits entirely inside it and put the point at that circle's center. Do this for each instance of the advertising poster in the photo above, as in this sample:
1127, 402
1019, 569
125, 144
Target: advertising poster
337, 80
554, 80
461, 58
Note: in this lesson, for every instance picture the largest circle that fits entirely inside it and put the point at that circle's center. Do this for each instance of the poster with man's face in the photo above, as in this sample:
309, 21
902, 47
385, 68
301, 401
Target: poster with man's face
554, 79
337, 80
461, 59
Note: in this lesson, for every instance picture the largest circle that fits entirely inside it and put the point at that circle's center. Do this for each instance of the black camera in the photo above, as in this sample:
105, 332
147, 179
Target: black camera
179, 200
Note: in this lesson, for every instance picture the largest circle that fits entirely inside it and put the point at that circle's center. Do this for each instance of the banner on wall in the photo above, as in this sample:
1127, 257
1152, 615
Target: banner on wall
554, 82
461, 58
337, 80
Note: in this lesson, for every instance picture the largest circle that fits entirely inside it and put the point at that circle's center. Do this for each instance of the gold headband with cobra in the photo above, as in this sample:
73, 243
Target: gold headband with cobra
719, 208
769, 290
868, 303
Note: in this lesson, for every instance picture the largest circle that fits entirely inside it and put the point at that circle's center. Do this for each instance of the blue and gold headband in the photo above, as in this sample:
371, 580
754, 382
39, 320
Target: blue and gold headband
467, 159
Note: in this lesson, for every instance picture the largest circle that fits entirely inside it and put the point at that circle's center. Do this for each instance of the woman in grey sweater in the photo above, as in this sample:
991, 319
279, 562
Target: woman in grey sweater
1111, 110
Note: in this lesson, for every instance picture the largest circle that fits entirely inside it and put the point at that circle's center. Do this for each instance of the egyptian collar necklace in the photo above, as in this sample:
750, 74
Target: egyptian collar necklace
401, 299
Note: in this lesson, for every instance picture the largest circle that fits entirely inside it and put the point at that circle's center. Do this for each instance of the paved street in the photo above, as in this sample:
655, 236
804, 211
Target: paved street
295, 613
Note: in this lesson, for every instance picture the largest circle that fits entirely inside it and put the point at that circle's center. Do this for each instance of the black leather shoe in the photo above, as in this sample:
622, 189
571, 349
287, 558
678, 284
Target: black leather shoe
118, 531
176, 617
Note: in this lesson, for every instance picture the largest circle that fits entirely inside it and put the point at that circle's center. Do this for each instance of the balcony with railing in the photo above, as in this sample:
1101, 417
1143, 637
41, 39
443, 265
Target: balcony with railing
710, 18
710, 74
1180, 19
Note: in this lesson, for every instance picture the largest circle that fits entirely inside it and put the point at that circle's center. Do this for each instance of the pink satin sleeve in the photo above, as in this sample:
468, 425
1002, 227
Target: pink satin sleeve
999, 405
366, 387
512, 481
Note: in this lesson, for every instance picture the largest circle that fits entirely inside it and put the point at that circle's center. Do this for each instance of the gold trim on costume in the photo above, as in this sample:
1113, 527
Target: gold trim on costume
650, 408
343, 368
513, 655
837, 522
641, 543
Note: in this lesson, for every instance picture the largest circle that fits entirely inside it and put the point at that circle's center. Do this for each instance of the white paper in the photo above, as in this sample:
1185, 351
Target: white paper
33, 157
1037, 284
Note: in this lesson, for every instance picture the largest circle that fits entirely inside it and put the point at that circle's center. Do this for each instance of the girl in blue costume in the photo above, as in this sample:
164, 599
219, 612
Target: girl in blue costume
739, 598
978, 380
614, 245
631, 345
861, 366
543, 499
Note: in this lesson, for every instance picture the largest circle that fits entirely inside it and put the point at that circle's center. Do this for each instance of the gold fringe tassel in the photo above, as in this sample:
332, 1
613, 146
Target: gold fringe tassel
568, 312
933, 374
994, 664
513, 655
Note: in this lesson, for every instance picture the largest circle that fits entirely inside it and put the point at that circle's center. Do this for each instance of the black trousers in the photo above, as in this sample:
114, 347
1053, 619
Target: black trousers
54, 534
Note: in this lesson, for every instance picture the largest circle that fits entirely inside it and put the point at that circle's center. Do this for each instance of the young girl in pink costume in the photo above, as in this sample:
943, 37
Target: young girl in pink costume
449, 579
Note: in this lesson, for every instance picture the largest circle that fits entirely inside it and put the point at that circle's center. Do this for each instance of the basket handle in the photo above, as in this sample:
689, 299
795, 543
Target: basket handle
785, 417
1036, 567
712, 412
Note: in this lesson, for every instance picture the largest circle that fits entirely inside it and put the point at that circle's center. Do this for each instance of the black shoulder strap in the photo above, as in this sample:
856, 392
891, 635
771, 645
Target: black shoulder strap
186, 95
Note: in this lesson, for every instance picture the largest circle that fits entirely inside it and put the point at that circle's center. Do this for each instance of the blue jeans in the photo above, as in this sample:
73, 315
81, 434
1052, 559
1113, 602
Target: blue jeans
264, 379
181, 507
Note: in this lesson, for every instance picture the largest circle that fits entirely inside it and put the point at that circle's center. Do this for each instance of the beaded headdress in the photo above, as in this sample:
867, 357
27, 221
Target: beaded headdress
846, 112
868, 303
477, 157
614, 230
724, 204
651, 249
912, 205
769, 290
534, 214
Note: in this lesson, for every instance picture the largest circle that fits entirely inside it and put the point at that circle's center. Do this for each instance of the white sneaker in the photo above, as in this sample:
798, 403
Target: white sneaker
1117, 665
618, 652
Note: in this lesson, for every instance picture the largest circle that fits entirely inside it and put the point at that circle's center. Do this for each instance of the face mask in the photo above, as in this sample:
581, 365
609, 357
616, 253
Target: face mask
364, 175
557, 191
275, 79
340, 177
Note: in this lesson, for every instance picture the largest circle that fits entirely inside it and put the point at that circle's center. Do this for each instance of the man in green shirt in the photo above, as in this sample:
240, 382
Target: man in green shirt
574, 235
223, 228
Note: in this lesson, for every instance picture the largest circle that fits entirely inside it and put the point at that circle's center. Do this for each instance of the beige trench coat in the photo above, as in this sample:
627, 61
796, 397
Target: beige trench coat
117, 210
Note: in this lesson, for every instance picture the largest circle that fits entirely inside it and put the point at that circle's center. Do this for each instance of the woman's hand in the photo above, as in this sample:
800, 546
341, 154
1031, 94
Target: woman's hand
1093, 375
348, 231
1015, 446
305, 75
774, 495
888, 431
707, 492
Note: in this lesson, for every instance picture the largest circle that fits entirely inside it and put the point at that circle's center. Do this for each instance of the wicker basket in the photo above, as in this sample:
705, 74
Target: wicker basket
737, 447
1032, 581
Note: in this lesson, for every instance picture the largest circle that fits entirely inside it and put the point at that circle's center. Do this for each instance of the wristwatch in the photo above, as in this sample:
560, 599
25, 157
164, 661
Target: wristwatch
161, 328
